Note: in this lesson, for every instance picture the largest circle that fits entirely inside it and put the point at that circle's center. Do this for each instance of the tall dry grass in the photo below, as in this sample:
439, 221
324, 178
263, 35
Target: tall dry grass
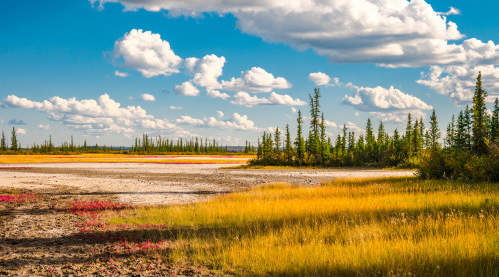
392, 226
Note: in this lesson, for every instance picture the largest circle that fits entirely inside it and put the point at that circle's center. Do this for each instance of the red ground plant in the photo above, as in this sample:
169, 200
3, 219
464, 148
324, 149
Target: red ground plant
16, 198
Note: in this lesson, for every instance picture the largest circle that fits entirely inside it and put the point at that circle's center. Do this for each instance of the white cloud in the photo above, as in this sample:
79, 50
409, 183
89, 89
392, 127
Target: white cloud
388, 32
148, 97
452, 11
354, 127
330, 123
176, 108
458, 81
206, 71
237, 122
256, 80
185, 119
103, 115
147, 53
21, 131
319, 78
220, 114
120, 74
213, 93
44, 126
187, 89
245, 99
387, 104
293, 110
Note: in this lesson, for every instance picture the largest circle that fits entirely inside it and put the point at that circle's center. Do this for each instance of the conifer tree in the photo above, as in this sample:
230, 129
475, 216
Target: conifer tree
288, 146
277, 141
494, 123
434, 131
13, 140
299, 142
3, 142
408, 134
479, 118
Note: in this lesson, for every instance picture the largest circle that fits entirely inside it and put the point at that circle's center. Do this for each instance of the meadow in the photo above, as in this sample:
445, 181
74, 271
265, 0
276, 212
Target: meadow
390, 226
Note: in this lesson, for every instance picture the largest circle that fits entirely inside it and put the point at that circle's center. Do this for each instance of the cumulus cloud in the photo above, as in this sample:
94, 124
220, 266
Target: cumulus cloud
21, 131
213, 93
458, 80
237, 122
319, 78
187, 89
176, 108
452, 11
44, 126
245, 99
147, 53
103, 115
220, 114
330, 123
206, 71
148, 97
256, 80
185, 119
17, 122
120, 74
389, 104
391, 33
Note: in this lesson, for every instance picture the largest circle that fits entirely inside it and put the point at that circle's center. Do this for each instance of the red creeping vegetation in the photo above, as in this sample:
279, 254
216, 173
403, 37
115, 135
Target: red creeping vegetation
17, 198
79, 207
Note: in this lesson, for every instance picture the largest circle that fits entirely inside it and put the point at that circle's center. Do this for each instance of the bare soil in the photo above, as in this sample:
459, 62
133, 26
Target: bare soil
42, 237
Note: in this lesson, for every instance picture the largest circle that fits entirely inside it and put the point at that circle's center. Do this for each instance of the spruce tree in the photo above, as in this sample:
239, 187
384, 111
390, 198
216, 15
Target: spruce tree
494, 123
434, 131
408, 134
277, 141
3, 142
479, 118
288, 146
13, 140
299, 142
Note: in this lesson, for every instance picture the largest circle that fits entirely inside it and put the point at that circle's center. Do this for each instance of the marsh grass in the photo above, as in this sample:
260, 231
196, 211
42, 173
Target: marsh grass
391, 226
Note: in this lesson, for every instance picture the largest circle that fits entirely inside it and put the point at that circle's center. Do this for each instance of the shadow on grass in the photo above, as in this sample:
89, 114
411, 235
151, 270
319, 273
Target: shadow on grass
247, 229
487, 265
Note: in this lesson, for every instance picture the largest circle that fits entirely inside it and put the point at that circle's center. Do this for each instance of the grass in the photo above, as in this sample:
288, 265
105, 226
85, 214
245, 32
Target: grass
391, 226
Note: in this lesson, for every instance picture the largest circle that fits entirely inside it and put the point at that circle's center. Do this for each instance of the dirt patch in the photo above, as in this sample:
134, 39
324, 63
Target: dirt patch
146, 184
43, 237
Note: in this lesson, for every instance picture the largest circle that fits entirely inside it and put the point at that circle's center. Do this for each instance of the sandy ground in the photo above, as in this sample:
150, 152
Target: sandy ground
43, 237
147, 184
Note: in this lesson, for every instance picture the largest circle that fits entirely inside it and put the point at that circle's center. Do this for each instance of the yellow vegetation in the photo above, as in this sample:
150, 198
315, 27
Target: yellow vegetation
122, 158
391, 226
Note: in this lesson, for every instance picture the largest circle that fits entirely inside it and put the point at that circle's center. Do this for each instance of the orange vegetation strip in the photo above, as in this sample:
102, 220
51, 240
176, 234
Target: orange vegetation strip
118, 158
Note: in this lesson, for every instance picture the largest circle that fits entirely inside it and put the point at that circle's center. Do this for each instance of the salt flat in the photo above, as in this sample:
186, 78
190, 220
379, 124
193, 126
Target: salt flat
150, 183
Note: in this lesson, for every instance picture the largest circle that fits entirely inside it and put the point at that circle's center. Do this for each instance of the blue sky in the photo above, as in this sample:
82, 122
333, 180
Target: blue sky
74, 49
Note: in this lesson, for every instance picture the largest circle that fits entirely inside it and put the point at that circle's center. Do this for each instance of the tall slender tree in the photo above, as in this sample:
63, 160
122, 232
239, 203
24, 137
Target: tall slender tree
3, 142
434, 131
494, 123
13, 140
479, 118
299, 142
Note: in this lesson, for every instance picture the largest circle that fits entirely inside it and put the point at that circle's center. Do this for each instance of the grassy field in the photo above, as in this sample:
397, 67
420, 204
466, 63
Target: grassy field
348, 227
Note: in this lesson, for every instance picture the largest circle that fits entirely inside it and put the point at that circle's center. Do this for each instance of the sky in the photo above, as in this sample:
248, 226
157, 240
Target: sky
108, 71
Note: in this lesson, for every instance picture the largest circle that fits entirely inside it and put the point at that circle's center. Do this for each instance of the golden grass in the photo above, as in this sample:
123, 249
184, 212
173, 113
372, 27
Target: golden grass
390, 226
122, 158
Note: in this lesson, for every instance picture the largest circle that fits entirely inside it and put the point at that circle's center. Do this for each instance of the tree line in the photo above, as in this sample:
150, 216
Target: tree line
144, 145
471, 141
